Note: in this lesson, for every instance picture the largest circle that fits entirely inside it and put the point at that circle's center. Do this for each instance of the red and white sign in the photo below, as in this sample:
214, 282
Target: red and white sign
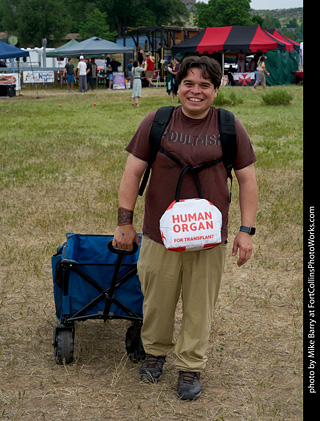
10, 79
192, 224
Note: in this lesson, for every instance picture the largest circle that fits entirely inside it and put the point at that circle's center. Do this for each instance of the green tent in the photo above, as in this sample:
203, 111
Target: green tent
55, 53
282, 66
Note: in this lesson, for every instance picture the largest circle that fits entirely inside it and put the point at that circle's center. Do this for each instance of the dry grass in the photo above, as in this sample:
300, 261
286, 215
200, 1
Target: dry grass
254, 369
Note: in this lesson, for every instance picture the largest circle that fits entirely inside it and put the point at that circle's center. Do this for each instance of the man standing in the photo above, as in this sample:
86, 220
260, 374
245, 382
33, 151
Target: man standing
94, 71
149, 69
82, 75
70, 73
192, 136
89, 74
113, 67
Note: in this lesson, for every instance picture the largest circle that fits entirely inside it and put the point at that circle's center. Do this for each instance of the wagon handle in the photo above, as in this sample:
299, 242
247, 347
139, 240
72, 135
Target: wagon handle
120, 251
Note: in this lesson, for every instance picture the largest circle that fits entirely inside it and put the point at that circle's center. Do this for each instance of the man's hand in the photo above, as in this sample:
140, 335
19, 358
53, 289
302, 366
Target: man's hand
248, 198
243, 243
124, 236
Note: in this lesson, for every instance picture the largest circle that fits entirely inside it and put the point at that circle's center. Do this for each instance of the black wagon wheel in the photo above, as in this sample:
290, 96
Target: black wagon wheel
63, 344
134, 344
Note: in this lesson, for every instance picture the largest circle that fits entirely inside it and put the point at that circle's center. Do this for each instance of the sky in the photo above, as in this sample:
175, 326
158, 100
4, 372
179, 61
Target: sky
272, 4
275, 4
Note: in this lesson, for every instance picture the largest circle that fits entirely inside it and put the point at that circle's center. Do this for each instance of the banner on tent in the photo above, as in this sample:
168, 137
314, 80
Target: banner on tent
10, 79
244, 79
38, 76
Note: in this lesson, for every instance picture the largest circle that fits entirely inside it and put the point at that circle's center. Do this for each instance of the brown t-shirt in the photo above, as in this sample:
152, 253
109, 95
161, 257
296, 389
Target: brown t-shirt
192, 141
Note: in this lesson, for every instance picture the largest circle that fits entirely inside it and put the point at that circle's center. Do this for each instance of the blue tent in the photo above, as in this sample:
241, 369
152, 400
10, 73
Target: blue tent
9, 51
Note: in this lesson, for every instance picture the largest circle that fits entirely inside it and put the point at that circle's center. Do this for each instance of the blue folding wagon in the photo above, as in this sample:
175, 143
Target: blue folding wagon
94, 280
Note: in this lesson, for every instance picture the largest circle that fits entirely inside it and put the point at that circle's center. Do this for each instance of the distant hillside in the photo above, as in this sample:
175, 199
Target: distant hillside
284, 15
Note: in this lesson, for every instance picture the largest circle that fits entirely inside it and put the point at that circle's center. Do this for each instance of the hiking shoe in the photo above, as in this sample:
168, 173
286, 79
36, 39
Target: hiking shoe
151, 369
189, 386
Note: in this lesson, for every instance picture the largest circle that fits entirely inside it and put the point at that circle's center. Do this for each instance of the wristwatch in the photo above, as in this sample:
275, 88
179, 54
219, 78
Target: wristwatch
249, 230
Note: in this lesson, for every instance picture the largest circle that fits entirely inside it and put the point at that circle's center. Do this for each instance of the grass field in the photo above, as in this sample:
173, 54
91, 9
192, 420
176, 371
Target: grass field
60, 169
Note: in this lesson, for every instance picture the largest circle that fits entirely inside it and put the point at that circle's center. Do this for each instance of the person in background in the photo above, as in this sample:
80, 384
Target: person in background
129, 72
94, 71
165, 274
108, 68
149, 69
251, 66
70, 73
89, 75
230, 76
261, 68
140, 55
113, 66
159, 54
82, 75
136, 87
172, 86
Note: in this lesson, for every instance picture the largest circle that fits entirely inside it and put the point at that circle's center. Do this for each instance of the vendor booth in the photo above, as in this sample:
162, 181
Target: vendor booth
9, 82
282, 60
98, 47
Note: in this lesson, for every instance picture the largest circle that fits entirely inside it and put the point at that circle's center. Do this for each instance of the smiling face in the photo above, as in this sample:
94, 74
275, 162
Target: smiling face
196, 94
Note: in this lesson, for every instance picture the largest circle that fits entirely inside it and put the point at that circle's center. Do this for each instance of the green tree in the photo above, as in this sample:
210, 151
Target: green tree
270, 22
78, 11
257, 20
33, 20
203, 15
162, 12
96, 25
133, 13
223, 13
8, 16
292, 23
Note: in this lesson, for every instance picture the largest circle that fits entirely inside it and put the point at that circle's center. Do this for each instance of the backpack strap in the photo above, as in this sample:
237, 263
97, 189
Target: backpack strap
228, 139
160, 122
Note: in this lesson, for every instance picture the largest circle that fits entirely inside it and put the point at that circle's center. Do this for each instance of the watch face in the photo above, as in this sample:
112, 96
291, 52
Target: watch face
252, 230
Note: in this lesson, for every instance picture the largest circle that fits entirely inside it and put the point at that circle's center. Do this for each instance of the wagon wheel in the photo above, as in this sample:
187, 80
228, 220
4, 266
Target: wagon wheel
63, 345
134, 344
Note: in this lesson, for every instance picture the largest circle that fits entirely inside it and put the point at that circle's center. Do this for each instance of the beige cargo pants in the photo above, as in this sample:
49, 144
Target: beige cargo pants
164, 275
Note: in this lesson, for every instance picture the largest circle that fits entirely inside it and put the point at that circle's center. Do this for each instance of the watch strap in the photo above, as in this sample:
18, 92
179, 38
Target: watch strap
248, 230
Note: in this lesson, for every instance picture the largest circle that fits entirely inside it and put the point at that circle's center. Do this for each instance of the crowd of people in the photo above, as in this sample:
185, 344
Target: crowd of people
143, 68
85, 72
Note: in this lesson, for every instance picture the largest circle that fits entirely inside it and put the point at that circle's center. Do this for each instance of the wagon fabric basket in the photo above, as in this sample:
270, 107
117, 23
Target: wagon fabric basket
93, 280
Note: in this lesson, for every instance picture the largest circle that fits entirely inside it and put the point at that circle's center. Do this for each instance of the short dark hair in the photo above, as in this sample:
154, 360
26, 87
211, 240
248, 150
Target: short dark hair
209, 67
